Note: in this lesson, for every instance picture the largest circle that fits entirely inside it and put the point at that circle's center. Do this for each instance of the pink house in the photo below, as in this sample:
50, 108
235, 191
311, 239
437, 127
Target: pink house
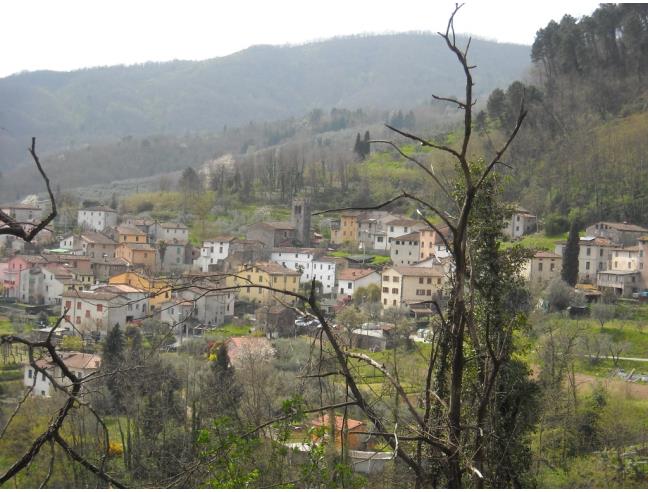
16, 264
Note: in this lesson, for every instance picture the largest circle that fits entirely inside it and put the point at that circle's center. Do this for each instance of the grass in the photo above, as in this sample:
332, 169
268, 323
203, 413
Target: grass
230, 330
6, 327
537, 241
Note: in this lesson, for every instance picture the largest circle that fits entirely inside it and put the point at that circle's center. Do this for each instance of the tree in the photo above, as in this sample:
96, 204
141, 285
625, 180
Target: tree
112, 360
602, 312
559, 294
569, 271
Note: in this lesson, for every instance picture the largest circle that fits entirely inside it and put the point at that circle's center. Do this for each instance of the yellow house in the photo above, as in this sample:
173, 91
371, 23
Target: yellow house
137, 254
130, 234
347, 230
160, 290
251, 280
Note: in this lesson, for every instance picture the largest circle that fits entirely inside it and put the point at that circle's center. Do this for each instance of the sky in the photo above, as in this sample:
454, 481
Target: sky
72, 34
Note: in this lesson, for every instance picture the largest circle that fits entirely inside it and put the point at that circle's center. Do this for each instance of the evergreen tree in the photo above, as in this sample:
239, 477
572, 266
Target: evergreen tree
112, 361
570, 256
358, 147
366, 146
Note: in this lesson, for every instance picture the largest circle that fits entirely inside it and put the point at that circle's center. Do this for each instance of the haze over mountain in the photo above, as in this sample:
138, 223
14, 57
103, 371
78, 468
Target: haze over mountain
262, 83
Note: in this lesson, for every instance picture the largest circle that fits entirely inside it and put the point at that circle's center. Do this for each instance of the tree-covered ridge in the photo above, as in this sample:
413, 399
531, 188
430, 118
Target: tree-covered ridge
582, 152
262, 83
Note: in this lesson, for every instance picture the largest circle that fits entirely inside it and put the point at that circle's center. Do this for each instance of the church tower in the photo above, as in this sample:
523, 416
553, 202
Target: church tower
301, 219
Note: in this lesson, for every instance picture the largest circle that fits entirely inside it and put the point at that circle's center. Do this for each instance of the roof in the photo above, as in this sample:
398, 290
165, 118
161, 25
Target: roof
110, 261
99, 208
91, 295
593, 241
59, 271
173, 225
546, 254
403, 222
121, 289
355, 273
290, 249
220, 239
623, 226
73, 360
273, 225
257, 347
621, 272
35, 259
628, 248
412, 236
324, 420
412, 271
274, 268
20, 206
138, 246
127, 229
96, 237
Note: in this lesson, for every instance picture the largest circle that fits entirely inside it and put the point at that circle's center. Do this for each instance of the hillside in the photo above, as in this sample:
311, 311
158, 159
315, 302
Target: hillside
262, 83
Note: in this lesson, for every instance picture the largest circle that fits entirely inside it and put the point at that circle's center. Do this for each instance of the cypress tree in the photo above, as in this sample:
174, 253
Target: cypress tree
570, 256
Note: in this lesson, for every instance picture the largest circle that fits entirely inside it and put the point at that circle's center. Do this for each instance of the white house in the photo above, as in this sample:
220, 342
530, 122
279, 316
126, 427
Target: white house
80, 364
95, 311
402, 226
521, 223
405, 250
96, 218
594, 255
351, 279
169, 232
213, 251
312, 263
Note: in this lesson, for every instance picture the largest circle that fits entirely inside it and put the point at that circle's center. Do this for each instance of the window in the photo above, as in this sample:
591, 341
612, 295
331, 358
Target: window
601, 252
396, 252
420, 292
260, 290
385, 290
385, 301
540, 266
395, 279
78, 304
429, 280
99, 308
349, 285
385, 278
260, 278
43, 376
391, 228
589, 251
552, 267
587, 265
68, 304
429, 292
394, 302
615, 264
379, 239
247, 290
420, 280
394, 290
600, 265
30, 374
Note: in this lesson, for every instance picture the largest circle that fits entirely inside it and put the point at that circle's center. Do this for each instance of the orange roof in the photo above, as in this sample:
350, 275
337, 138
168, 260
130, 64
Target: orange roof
355, 273
339, 422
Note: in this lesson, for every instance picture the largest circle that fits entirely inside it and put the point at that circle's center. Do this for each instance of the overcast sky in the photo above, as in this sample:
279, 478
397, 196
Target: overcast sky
71, 34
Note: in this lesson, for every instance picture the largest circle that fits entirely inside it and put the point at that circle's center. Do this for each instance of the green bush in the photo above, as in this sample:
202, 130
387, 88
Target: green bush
11, 375
555, 224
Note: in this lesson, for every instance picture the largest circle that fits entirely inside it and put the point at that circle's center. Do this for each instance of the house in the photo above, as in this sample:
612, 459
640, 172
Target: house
251, 282
170, 232
372, 230
311, 263
432, 244
276, 321
92, 244
351, 279
56, 280
401, 226
92, 312
159, 290
620, 233
80, 364
212, 251
594, 256
346, 230
16, 265
622, 283
96, 218
138, 254
543, 267
31, 285
144, 224
354, 428
243, 351
129, 234
23, 213
175, 256
405, 250
273, 234
522, 222
404, 286
373, 336
104, 268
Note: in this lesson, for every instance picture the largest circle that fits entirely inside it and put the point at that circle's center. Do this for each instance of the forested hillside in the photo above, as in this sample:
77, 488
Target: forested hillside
262, 83
583, 151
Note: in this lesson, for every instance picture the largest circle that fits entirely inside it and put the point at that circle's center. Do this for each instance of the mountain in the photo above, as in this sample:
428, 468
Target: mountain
262, 83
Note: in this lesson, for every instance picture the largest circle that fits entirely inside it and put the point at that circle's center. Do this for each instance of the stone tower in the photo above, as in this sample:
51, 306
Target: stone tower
301, 219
